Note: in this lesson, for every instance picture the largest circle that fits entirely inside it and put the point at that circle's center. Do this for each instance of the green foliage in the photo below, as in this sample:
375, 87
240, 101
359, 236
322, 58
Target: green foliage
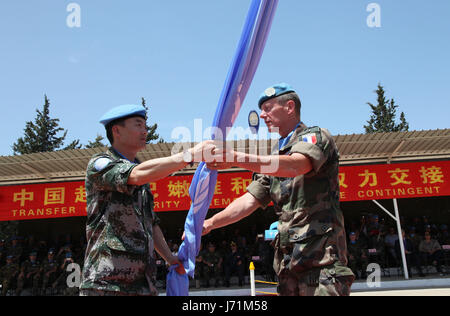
383, 118
45, 134
96, 143
152, 135
42, 135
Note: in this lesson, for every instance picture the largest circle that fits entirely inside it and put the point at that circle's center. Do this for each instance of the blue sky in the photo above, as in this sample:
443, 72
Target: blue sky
177, 53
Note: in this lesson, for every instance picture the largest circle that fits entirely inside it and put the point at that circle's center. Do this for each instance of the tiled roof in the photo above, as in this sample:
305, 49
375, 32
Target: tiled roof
70, 165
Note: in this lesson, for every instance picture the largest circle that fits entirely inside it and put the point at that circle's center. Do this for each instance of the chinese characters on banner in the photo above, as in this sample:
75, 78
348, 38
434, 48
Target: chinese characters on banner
68, 199
172, 194
51, 200
395, 181
357, 183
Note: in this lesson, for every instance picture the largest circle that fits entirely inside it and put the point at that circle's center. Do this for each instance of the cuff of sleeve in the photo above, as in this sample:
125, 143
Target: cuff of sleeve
156, 220
314, 153
260, 193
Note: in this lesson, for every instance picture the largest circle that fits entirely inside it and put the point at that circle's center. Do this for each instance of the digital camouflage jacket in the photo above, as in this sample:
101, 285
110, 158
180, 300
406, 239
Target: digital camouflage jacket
119, 229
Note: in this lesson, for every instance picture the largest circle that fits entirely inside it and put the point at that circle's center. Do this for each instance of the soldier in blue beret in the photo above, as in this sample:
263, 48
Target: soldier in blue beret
274, 92
30, 274
8, 274
15, 249
300, 177
122, 229
49, 270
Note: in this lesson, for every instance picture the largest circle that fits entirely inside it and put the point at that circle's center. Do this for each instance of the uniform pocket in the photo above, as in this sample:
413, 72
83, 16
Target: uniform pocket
311, 231
124, 268
311, 253
115, 244
136, 249
336, 280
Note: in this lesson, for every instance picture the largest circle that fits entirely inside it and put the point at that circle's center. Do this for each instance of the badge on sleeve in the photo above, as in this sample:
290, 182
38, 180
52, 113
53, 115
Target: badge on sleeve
101, 163
310, 138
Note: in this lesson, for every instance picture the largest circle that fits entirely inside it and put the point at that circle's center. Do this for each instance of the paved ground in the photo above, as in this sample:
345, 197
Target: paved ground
416, 292
432, 286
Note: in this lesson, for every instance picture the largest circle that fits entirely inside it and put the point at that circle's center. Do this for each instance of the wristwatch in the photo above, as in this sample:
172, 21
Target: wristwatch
188, 158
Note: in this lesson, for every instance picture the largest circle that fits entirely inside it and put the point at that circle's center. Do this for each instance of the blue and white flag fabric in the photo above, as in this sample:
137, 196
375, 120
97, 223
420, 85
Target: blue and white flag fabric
245, 62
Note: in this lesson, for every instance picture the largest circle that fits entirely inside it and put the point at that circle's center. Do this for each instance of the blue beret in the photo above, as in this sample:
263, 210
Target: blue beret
123, 111
274, 91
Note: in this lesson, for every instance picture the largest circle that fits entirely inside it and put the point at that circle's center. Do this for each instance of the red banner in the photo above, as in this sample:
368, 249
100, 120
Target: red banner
395, 181
68, 199
172, 194
368, 182
36, 201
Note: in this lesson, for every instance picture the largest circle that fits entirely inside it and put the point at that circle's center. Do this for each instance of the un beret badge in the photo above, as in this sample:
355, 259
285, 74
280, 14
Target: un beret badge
270, 92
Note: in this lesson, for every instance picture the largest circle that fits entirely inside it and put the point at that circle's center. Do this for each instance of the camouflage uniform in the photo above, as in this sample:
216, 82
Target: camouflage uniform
16, 251
310, 249
8, 273
358, 257
61, 284
212, 272
199, 267
120, 251
416, 240
49, 272
33, 269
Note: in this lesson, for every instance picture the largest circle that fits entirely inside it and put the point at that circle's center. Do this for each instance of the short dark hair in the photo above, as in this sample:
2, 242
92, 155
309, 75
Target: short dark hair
121, 122
291, 96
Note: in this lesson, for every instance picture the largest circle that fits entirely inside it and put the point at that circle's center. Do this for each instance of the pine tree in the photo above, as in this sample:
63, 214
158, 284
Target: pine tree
151, 129
42, 134
383, 118
73, 145
96, 143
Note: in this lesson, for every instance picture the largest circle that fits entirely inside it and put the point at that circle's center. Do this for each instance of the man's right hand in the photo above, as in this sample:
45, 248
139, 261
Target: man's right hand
207, 227
204, 151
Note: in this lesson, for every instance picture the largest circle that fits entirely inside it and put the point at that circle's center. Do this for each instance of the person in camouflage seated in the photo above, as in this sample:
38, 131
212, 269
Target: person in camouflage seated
49, 270
358, 258
301, 178
122, 229
212, 265
30, 274
8, 274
